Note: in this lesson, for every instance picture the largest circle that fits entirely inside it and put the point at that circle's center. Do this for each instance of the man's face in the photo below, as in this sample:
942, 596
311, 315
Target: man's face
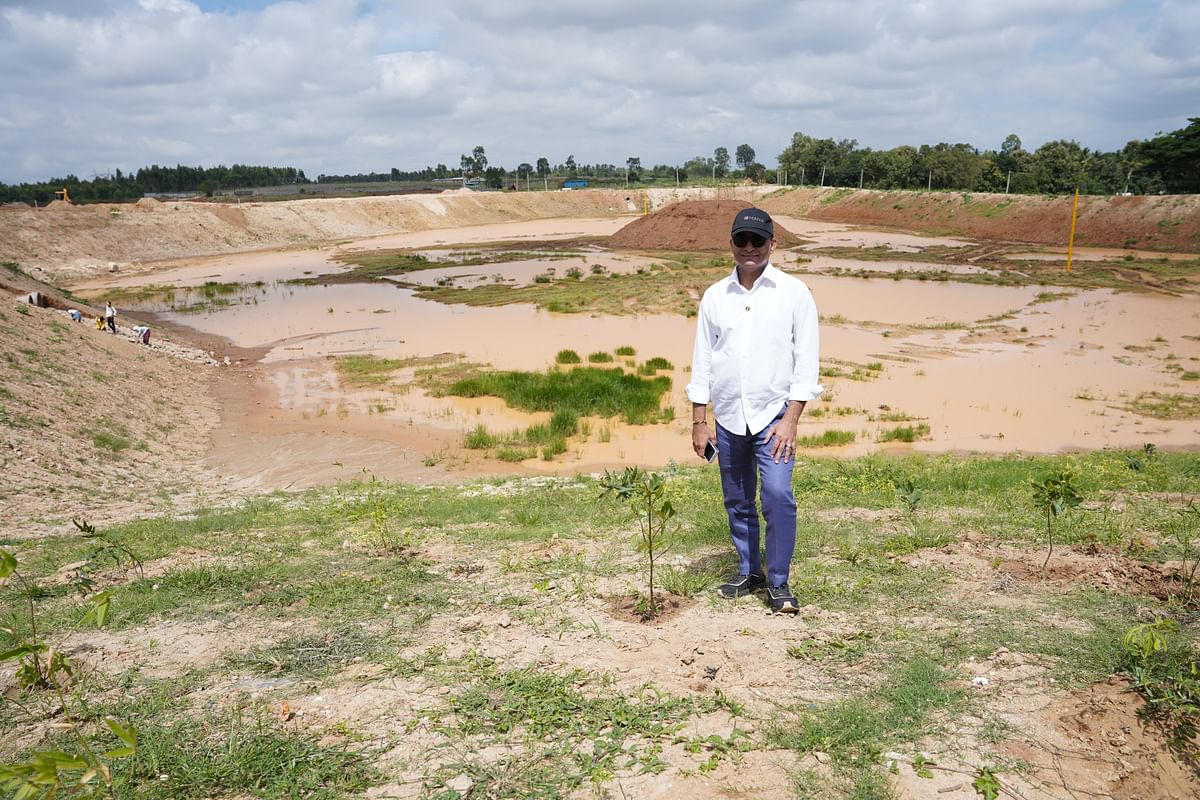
751, 251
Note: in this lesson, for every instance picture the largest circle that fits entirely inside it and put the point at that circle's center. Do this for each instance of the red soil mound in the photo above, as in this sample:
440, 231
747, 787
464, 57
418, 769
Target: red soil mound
690, 225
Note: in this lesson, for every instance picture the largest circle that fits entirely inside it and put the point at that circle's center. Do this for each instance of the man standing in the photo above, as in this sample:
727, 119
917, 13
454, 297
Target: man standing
110, 317
755, 360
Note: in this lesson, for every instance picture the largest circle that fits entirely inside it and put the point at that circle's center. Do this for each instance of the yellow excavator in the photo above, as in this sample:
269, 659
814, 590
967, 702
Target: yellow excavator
62, 195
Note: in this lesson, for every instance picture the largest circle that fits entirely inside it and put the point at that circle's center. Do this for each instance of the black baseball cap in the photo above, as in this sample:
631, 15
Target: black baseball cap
753, 220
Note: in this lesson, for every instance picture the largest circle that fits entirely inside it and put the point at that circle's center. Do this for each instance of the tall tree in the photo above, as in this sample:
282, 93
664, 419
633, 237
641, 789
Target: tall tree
1012, 156
1059, 166
818, 161
1175, 157
721, 160
951, 166
494, 177
745, 156
571, 167
479, 160
633, 166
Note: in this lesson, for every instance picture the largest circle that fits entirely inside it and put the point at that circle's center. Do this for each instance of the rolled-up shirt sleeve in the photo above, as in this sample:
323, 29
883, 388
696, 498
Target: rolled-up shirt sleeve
805, 351
699, 388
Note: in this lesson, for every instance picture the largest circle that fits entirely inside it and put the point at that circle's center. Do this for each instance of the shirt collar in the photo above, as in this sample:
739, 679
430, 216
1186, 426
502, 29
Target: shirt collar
769, 277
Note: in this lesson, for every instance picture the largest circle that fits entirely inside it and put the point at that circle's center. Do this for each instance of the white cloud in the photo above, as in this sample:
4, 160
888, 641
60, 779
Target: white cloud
334, 86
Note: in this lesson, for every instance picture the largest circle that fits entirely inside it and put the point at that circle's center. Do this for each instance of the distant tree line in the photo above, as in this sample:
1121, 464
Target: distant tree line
1167, 163
122, 187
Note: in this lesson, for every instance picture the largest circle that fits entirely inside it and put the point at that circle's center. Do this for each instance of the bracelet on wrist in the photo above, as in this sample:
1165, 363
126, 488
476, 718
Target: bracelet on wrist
699, 422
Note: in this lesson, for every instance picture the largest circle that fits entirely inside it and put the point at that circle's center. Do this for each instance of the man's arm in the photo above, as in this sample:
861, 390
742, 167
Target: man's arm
806, 346
701, 434
698, 388
805, 372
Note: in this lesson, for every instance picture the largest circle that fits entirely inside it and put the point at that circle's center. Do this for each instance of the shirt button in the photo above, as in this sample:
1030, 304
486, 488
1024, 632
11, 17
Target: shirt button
747, 308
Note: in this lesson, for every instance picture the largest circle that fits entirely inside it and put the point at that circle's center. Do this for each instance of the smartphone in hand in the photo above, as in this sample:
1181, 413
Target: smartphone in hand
710, 451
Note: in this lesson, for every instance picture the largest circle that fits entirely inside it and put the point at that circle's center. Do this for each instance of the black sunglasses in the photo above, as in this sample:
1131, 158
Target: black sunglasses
740, 239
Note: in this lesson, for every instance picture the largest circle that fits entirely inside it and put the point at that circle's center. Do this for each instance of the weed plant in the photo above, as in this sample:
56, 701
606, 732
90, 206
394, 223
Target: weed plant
1165, 667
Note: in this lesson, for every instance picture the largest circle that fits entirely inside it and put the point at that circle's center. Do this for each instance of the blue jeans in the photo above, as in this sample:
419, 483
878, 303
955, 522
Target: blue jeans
744, 458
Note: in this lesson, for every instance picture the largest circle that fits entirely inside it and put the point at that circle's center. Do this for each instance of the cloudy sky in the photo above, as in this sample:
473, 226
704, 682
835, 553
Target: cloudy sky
338, 86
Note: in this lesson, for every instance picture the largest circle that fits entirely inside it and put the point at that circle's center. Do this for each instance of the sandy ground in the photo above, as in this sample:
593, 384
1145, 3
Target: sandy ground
101, 427
984, 368
1026, 373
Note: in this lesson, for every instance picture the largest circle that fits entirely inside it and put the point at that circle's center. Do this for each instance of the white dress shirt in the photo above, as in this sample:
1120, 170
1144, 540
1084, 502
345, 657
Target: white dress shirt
755, 349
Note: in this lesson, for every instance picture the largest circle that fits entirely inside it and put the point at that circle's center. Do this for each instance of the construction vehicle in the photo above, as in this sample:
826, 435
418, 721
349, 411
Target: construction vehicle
62, 194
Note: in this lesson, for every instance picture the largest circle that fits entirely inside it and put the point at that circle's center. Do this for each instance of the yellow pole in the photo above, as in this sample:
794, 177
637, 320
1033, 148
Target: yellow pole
1071, 240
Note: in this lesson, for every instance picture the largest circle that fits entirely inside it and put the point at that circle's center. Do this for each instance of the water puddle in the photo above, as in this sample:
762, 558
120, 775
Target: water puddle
1099, 254
527, 272
985, 368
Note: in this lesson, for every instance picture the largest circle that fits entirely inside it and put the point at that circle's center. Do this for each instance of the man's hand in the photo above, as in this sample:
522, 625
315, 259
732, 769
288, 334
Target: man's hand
784, 434
701, 437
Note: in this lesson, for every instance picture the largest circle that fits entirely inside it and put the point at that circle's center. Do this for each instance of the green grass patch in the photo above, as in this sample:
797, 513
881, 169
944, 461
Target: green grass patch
310, 656
830, 438
108, 435
904, 433
367, 370
584, 391
1162, 405
854, 731
567, 357
600, 358
514, 455
480, 438
560, 730
239, 756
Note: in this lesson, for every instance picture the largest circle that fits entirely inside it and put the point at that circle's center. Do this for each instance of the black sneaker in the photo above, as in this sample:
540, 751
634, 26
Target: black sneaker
782, 600
741, 585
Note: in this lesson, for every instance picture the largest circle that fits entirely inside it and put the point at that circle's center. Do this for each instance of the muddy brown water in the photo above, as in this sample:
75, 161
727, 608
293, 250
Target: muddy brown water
987, 369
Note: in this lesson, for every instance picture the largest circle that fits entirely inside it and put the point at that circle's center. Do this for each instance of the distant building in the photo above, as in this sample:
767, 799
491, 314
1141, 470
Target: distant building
575, 183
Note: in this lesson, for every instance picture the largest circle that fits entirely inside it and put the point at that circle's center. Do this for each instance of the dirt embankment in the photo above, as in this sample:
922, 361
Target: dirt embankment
1166, 222
61, 243
96, 426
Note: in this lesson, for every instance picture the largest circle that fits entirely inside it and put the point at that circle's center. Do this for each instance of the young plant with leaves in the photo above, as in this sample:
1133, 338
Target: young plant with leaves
41, 666
646, 493
1054, 495
909, 493
1165, 669
1184, 532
